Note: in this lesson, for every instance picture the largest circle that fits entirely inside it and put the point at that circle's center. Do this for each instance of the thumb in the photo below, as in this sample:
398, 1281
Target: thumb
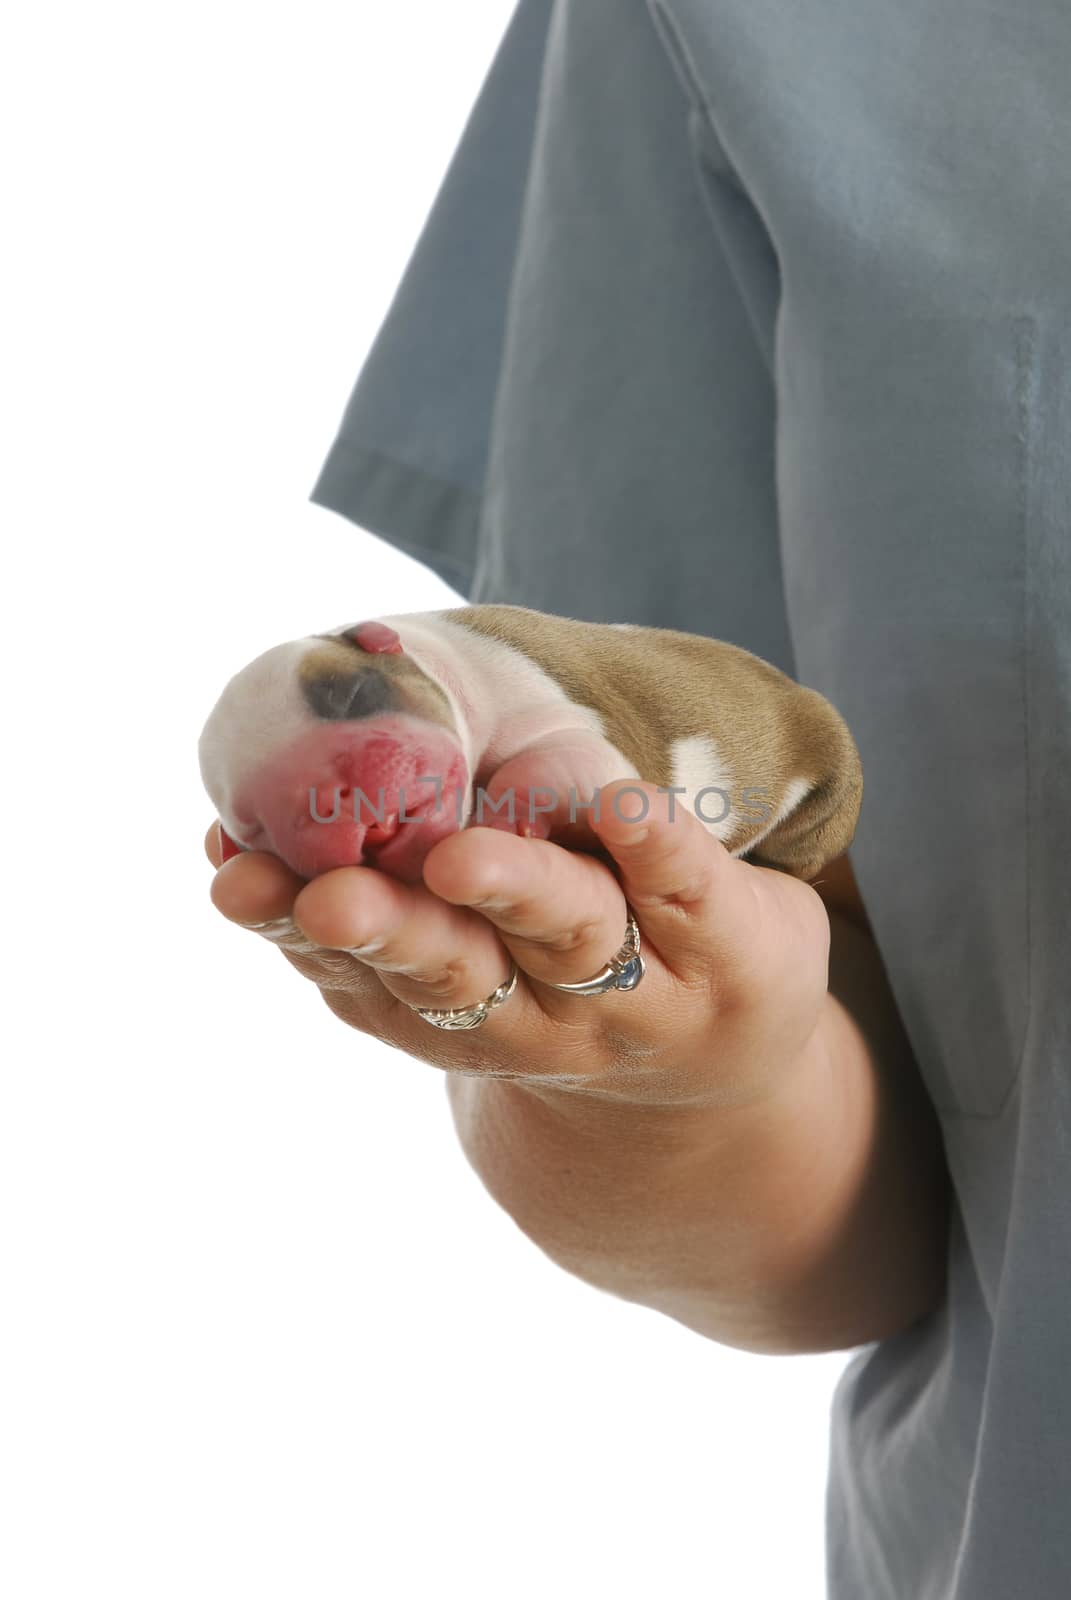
713, 919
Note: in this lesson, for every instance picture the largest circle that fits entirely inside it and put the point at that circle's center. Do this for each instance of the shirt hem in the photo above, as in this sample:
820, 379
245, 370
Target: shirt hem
426, 517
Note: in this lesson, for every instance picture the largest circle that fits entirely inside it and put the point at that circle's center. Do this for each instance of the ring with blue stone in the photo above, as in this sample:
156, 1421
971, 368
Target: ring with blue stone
623, 971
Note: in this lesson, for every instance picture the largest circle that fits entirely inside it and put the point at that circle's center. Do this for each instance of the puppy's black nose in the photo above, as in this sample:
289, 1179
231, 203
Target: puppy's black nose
341, 696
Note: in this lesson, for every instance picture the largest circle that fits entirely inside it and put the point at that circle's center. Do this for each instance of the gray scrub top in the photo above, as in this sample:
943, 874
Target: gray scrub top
753, 317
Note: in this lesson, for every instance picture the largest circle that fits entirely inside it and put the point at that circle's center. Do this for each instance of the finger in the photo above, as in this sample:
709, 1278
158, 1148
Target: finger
390, 924
425, 952
561, 914
257, 891
362, 933
701, 909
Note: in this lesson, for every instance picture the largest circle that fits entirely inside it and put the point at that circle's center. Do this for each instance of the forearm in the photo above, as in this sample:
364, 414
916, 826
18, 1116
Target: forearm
811, 1220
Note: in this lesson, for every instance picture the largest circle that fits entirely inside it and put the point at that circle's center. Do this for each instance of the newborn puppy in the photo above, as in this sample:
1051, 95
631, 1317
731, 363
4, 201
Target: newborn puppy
368, 744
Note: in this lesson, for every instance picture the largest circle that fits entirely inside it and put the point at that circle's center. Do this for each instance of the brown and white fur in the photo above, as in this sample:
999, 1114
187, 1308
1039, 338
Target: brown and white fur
499, 698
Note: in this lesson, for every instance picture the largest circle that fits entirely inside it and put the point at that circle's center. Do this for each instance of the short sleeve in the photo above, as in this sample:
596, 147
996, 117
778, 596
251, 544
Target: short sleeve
409, 460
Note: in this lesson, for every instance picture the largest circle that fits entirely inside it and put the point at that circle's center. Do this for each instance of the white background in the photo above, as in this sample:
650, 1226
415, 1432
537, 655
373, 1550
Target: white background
264, 1333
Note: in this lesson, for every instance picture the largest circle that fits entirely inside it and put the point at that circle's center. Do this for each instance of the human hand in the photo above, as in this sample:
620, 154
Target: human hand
736, 955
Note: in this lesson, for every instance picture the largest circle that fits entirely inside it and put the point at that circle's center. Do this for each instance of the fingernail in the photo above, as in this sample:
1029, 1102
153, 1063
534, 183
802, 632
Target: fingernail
631, 807
490, 902
634, 836
274, 928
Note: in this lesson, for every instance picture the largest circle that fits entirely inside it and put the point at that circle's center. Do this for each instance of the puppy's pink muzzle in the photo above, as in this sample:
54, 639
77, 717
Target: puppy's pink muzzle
380, 792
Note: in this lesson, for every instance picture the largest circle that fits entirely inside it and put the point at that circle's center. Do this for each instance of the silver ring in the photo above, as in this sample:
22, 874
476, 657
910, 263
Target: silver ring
623, 971
471, 1016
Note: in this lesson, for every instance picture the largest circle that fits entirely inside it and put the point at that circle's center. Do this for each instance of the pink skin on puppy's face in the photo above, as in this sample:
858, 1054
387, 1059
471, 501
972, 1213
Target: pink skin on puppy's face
300, 803
358, 763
